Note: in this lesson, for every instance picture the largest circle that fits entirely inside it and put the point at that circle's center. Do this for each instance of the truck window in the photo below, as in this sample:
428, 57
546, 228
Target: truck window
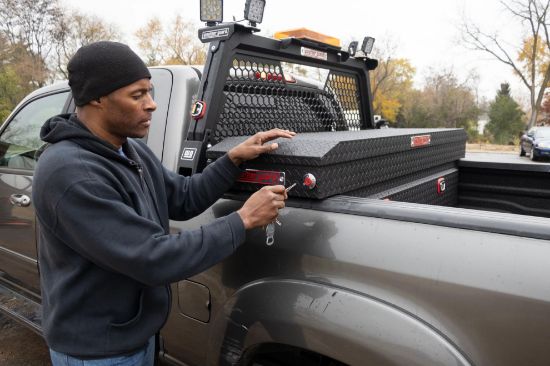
21, 138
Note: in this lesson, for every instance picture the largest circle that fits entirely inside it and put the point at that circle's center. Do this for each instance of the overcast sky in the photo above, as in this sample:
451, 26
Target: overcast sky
424, 31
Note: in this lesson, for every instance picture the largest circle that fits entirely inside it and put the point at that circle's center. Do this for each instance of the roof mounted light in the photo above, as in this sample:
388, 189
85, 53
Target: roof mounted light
368, 44
211, 11
254, 11
304, 33
352, 48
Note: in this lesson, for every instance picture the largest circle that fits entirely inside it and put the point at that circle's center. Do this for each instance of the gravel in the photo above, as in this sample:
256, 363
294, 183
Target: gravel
20, 346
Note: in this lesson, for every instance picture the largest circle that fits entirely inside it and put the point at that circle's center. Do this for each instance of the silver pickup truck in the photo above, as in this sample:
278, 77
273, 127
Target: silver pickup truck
349, 280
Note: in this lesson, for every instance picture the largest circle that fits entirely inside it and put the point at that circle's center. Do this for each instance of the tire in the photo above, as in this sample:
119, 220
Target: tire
532, 155
521, 151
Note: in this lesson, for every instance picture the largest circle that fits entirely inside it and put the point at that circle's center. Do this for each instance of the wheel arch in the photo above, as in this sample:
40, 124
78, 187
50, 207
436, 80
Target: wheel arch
349, 327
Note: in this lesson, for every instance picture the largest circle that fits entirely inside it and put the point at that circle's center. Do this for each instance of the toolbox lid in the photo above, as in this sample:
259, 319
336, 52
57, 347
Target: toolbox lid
325, 148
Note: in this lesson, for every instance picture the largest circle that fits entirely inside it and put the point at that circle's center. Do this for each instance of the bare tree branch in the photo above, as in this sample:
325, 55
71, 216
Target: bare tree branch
530, 68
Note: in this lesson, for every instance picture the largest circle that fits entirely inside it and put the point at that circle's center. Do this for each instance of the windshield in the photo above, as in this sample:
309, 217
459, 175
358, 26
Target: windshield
543, 133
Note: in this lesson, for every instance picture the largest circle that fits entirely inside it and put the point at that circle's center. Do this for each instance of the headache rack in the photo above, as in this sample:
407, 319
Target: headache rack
252, 83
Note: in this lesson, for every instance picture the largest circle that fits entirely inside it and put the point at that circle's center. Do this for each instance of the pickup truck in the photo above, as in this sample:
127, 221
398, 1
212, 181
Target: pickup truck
349, 280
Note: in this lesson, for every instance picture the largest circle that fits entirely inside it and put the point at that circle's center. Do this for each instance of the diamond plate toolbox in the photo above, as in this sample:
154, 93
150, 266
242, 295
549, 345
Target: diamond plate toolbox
346, 161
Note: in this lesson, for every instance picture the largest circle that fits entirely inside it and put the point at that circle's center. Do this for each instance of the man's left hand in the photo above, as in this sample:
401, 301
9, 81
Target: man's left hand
254, 146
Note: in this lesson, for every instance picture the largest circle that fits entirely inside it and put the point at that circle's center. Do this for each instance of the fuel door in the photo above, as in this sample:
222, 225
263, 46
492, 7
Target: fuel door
194, 300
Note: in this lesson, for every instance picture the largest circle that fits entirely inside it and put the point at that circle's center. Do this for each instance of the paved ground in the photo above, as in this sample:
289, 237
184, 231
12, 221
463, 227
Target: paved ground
20, 346
508, 158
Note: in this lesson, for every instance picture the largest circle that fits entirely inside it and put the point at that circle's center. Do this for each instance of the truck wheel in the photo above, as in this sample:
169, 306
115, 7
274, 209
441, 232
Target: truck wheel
283, 355
532, 155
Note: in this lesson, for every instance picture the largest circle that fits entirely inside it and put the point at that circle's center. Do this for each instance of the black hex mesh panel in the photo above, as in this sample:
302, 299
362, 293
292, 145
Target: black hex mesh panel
258, 97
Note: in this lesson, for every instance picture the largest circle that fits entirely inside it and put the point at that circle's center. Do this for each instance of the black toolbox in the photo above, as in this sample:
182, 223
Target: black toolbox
398, 164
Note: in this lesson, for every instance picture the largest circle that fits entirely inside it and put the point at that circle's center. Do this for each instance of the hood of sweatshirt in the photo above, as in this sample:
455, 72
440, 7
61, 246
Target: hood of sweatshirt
69, 127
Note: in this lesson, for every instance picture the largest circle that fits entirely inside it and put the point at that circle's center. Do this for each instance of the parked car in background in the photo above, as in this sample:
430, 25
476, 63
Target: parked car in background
536, 143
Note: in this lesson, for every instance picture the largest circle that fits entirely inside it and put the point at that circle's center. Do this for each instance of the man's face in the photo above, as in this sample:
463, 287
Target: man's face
127, 111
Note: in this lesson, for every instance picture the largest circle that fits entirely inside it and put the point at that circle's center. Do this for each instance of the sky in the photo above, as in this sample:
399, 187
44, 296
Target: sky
426, 32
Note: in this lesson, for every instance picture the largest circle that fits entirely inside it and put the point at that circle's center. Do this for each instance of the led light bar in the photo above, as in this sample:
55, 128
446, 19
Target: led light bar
254, 11
211, 11
368, 43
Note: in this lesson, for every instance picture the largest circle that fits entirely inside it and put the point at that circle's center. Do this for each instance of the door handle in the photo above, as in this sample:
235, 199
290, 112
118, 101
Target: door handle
21, 200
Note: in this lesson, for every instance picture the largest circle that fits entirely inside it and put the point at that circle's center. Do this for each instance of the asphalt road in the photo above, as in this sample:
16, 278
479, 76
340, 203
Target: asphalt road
509, 158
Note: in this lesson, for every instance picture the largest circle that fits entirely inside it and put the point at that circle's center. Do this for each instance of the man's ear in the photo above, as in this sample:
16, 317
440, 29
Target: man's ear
96, 103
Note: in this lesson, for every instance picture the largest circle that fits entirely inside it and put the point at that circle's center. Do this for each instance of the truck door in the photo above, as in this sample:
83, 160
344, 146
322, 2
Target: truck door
19, 141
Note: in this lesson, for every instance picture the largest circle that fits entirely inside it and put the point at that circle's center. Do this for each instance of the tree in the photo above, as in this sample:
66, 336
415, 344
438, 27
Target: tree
15, 79
390, 81
443, 102
531, 64
151, 41
74, 30
545, 110
10, 91
505, 117
178, 45
28, 24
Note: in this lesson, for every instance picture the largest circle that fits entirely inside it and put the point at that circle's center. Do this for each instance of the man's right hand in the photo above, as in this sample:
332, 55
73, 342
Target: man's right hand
263, 206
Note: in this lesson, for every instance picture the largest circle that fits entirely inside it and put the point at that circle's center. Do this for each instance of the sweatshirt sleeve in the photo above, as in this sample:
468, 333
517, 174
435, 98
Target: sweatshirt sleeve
92, 219
190, 196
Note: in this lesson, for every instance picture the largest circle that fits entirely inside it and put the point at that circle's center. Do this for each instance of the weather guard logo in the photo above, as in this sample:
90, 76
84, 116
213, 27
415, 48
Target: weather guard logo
214, 34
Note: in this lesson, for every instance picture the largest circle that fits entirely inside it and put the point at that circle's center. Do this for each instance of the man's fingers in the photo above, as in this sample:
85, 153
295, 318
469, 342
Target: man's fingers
276, 133
279, 204
279, 196
270, 147
275, 189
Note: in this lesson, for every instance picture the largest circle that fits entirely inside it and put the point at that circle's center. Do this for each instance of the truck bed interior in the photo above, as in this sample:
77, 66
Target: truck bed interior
519, 188
489, 183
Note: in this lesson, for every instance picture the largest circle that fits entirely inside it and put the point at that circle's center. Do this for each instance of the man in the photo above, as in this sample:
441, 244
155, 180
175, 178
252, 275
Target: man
103, 203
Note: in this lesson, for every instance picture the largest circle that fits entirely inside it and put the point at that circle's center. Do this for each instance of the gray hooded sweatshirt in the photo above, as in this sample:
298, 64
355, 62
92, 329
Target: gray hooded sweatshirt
106, 254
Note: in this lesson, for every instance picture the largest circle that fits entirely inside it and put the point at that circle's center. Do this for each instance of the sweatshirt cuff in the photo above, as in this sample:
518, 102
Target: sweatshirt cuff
237, 228
229, 166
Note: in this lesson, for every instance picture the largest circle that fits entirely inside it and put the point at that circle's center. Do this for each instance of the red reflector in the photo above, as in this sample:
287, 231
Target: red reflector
421, 140
263, 177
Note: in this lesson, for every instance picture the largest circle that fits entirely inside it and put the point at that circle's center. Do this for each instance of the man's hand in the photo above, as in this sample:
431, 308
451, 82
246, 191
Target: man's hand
263, 206
254, 146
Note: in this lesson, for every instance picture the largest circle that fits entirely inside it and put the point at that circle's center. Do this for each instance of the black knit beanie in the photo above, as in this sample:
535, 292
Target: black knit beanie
100, 68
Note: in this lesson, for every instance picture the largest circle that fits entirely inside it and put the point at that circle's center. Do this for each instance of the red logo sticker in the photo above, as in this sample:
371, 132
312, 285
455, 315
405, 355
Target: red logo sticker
421, 140
198, 110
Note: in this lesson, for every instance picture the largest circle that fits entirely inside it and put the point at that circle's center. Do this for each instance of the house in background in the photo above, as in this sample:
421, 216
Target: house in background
482, 122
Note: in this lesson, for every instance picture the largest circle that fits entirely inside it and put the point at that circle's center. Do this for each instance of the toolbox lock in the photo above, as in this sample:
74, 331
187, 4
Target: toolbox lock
310, 181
